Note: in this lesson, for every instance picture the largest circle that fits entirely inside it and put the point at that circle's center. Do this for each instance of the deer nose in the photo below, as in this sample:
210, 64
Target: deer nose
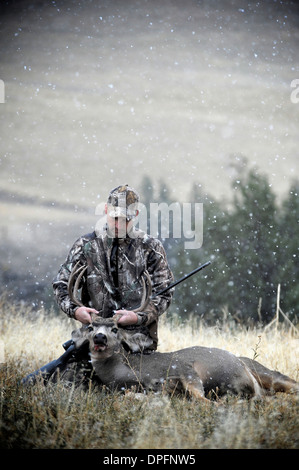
100, 338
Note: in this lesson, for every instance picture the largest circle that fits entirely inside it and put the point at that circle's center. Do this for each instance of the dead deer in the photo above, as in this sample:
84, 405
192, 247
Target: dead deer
196, 371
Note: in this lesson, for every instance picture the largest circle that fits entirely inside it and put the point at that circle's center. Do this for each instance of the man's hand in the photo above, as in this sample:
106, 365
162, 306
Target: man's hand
126, 317
82, 314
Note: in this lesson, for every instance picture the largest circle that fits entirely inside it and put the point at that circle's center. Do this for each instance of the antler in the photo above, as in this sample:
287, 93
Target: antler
147, 292
73, 289
77, 274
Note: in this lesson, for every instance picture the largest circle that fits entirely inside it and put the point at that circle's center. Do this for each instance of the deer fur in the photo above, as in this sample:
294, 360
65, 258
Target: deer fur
195, 371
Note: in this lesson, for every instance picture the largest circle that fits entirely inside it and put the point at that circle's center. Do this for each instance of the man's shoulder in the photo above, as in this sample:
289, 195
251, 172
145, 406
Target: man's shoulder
89, 236
83, 239
148, 240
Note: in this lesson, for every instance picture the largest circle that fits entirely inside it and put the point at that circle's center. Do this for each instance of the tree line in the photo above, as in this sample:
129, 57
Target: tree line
253, 243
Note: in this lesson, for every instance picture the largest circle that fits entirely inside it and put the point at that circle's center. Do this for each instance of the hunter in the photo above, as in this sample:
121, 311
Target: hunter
115, 257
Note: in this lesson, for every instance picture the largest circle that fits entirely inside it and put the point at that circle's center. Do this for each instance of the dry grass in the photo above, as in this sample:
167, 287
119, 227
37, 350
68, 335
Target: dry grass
56, 417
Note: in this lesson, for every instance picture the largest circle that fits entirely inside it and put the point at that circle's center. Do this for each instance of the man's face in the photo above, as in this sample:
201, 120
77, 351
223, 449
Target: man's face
118, 226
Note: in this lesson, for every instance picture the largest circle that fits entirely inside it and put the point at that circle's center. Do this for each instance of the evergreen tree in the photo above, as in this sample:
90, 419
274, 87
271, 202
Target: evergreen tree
201, 295
251, 248
288, 252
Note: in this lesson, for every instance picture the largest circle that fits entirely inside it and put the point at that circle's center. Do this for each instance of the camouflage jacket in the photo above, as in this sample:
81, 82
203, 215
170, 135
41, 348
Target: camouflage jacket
106, 288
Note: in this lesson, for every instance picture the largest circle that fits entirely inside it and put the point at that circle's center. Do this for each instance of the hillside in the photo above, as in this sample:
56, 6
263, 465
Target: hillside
101, 93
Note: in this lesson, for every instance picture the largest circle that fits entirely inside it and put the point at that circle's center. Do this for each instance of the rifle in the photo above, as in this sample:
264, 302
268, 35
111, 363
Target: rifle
46, 371
182, 279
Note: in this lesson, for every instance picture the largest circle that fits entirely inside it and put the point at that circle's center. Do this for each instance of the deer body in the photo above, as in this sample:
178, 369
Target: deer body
196, 370
185, 370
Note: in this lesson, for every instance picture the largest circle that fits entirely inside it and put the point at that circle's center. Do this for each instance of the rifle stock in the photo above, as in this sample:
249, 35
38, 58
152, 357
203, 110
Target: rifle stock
46, 371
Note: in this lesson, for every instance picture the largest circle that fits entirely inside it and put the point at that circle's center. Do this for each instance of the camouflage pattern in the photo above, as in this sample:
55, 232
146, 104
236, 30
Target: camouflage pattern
123, 202
107, 290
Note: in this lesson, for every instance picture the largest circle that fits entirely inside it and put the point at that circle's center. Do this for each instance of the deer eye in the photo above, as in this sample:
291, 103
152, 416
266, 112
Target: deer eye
90, 328
114, 330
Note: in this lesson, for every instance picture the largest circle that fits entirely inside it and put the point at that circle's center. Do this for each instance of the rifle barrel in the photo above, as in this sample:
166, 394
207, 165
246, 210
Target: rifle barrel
182, 279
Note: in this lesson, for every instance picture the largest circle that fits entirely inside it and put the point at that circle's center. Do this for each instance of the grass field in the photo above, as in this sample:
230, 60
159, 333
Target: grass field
57, 417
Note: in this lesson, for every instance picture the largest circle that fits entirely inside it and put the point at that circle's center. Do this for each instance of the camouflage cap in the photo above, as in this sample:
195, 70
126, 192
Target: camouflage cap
123, 202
